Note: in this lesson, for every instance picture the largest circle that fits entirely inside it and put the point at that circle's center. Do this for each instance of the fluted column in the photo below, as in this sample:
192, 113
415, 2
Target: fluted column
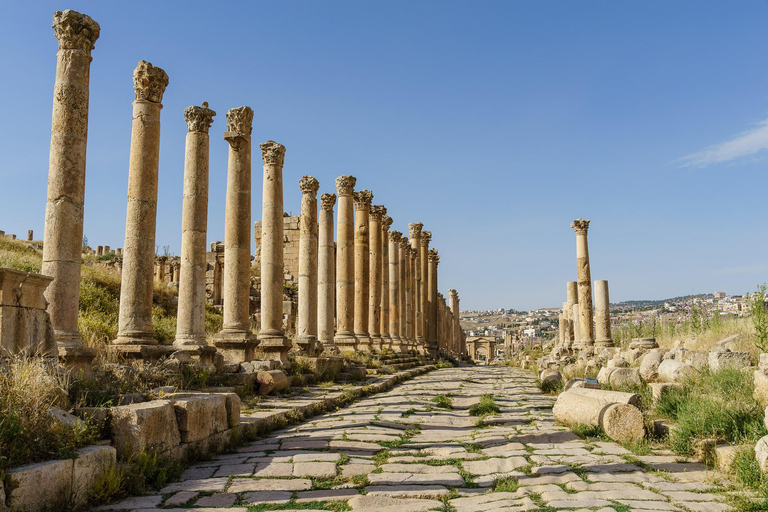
386, 337
374, 282
431, 345
306, 328
414, 230
325, 279
394, 289
190, 323
586, 327
453, 302
236, 341
135, 318
63, 237
362, 268
404, 262
432, 319
603, 338
272, 341
345, 265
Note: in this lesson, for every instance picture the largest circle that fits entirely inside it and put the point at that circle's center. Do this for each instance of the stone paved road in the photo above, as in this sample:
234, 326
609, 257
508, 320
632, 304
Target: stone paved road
436, 458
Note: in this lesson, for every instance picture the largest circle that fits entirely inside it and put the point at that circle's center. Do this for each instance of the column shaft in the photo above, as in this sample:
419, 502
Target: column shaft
585, 284
362, 268
345, 265
306, 329
386, 337
403, 271
325, 278
374, 283
394, 290
603, 336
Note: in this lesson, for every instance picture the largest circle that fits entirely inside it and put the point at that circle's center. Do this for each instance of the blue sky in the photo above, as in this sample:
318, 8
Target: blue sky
493, 123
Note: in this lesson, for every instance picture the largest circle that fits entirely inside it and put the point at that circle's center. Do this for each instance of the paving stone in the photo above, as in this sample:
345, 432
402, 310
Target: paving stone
217, 500
315, 469
494, 465
269, 484
206, 484
180, 498
371, 503
329, 495
407, 491
266, 497
235, 470
272, 469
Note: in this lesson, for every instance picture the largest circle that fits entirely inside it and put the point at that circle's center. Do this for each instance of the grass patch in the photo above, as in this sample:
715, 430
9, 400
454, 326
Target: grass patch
505, 484
484, 407
589, 432
746, 471
551, 387
444, 401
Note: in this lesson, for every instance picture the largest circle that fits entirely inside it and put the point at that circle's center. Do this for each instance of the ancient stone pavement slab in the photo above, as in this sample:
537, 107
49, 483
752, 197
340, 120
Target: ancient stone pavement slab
404, 450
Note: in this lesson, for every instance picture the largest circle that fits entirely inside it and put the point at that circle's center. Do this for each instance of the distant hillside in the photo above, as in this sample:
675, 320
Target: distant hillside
636, 304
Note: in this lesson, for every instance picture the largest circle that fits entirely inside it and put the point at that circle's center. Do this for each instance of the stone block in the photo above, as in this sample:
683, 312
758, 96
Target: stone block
43, 486
696, 358
199, 417
761, 387
25, 327
763, 362
671, 370
273, 380
604, 375
137, 427
725, 455
659, 389
649, 366
720, 359
233, 409
625, 378
761, 454
91, 462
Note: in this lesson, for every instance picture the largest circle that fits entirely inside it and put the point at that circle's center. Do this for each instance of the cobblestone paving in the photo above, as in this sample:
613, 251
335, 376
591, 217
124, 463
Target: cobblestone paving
400, 451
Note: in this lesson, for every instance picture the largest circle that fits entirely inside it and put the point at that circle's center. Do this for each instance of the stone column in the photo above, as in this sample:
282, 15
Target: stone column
453, 298
572, 297
394, 290
345, 265
190, 323
561, 329
386, 337
576, 324
414, 230
272, 341
135, 320
426, 237
362, 268
586, 328
63, 235
160, 270
433, 259
218, 273
306, 328
236, 341
176, 266
404, 274
412, 287
603, 338
325, 279
374, 283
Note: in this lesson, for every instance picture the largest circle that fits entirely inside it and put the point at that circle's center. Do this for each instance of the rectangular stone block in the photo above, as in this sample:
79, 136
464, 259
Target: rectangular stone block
199, 417
42, 486
137, 427
91, 462
719, 359
233, 408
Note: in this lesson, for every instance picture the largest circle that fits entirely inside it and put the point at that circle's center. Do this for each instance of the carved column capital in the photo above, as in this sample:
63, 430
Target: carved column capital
414, 229
426, 237
149, 82
377, 212
327, 201
363, 199
386, 221
239, 126
454, 294
75, 31
412, 253
345, 185
433, 256
580, 226
309, 186
404, 244
395, 236
199, 119
273, 153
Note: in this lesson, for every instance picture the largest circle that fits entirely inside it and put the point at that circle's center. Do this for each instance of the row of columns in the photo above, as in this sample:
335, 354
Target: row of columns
581, 328
379, 286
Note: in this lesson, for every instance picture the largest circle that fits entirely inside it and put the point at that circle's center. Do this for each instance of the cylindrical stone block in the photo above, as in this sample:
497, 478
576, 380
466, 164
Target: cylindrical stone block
325, 279
394, 290
375, 281
363, 200
603, 336
386, 337
586, 329
345, 265
306, 327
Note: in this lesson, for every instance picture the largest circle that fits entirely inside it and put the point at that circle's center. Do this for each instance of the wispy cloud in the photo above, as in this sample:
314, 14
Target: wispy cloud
745, 269
744, 144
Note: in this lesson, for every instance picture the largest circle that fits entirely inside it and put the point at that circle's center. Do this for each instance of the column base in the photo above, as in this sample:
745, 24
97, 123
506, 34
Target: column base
149, 353
601, 344
189, 342
78, 359
203, 354
386, 343
363, 342
396, 345
328, 348
376, 342
236, 346
275, 347
345, 342
308, 345
432, 348
135, 338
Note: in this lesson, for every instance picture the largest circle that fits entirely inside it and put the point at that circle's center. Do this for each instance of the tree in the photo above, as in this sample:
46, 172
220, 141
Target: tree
759, 317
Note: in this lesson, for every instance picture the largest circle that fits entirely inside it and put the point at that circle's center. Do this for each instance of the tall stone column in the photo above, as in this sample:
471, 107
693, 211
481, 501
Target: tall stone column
325, 279
272, 341
63, 237
218, 273
386, 337
374, 283
404, 262
362, 268
412, 287
575, 314
236, 341
572, 297
394, 290
306, 328
135, 319
162, 261
345, 265
426, 237
603, 338
190, 323
453, 301
433, 259
414, 230
585, 284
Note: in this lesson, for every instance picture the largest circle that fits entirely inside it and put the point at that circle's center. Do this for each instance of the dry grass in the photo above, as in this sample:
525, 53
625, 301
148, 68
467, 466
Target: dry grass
708, 339
16, 255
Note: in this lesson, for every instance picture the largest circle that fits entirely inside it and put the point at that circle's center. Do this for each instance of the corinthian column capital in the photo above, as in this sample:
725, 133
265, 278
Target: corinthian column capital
239, 126
433, 256
149, 82
75, 31
377, 212
580, 226
363, 199
309, 185
327, 201
199, 119
426, 237
395, 236
345, 185
414, 229
272, 153
386, 221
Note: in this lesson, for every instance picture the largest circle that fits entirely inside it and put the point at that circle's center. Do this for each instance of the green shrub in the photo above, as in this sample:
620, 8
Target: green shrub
443, 401
485, 407
551, 387
505, 484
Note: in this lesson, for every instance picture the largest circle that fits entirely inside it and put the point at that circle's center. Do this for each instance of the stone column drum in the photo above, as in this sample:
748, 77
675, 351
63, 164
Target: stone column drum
414, 230
162, 261
426, 237
603, 338
394, 290
576, 323
135, 320
362, 268
585, 284
306, 328
386, 337
190, 323
433, 260
236, 341
572, 297
374, 283
325, 279
345, 265
272, 341
63, 236
453, 300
